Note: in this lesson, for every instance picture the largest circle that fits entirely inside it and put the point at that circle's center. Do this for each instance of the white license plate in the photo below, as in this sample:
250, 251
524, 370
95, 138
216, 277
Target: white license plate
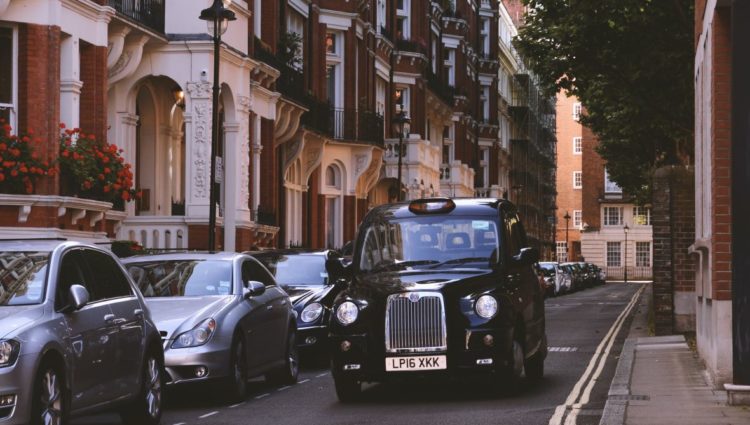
405, 364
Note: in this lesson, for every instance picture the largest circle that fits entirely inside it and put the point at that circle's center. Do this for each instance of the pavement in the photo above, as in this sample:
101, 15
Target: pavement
661, 380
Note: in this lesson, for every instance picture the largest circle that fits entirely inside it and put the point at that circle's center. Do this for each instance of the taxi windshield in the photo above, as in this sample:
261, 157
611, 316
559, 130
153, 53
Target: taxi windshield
430, 242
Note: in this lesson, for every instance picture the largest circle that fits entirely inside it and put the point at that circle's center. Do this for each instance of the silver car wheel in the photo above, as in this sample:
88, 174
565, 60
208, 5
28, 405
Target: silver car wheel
293, 358
153, 389
51, 398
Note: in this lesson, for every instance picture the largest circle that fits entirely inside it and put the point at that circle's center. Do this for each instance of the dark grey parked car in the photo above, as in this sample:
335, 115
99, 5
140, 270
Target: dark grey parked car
75, 336
222, 318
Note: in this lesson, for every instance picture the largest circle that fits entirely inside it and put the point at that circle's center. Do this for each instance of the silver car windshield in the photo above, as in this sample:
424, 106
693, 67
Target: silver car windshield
297, 269
22, 277
430, 242
178, 278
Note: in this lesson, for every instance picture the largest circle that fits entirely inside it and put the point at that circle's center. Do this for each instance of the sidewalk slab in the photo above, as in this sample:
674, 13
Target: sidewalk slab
660, 380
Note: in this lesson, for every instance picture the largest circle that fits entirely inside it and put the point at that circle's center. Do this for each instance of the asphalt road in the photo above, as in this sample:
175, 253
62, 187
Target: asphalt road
584, 347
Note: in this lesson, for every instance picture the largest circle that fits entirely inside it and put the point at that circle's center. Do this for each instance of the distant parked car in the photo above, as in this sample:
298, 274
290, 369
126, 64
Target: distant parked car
222, 318
602, 275
558, 280
303, 275
75, 336
578, 278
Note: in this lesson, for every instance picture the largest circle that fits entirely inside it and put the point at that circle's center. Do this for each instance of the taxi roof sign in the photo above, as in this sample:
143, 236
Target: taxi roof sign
432, 206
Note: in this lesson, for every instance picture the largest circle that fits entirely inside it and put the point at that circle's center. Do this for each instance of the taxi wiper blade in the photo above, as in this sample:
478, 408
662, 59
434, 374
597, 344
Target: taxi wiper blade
461, 261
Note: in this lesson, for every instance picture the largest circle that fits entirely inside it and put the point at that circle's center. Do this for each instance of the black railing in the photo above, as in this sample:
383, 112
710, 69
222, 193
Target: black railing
411, 46
291, 82
266, 216
344, 123
149, 13
387, 33
444, 91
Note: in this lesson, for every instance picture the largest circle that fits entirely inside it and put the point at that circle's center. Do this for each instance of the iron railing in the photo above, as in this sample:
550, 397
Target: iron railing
344, 123
291, 82
149, 13
634, 273
444, 91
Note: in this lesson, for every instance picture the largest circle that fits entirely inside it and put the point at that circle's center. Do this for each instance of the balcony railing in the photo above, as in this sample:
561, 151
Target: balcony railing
345, 123
149, 13
291, 82
411, 46
444, 91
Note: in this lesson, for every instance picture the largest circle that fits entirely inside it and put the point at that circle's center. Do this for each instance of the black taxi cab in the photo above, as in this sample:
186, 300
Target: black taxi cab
438, 286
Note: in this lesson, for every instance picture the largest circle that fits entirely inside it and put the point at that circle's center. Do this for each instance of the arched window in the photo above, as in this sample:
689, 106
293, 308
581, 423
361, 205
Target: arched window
332, 177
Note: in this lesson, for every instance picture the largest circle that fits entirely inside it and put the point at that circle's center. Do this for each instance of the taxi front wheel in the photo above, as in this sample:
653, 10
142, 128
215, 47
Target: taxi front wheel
348, 389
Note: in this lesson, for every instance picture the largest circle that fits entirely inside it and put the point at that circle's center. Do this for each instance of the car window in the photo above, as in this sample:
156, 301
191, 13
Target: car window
108, 274
253, 270
73, 272
22, 277
177, 278
297, 269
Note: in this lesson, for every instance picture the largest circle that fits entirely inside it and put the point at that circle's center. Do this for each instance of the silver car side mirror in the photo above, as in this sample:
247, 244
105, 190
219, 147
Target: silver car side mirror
78, 297
253, 288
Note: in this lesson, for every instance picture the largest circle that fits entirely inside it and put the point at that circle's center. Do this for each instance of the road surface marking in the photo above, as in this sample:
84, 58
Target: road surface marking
208, 414
599, 354
179, 423
562, 349
236, 405
322, 375
262, 395
303, 381
286, 387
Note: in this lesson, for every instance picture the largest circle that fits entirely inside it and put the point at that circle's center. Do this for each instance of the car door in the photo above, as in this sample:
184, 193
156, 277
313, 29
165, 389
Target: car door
90, 339
253, 320
273, 317
128, 321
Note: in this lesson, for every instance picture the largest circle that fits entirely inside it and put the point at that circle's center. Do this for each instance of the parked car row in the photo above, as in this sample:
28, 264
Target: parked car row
561, 278
432, 286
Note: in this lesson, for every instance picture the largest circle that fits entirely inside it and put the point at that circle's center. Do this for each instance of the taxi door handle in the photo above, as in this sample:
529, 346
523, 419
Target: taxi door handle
109, 318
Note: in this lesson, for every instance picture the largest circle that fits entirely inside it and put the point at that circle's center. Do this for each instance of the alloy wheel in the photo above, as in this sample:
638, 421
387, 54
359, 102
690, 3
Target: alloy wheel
51, 398
293, 357
153, 390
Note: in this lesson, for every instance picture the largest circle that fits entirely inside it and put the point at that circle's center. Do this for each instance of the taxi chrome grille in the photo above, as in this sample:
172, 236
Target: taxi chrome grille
415, 322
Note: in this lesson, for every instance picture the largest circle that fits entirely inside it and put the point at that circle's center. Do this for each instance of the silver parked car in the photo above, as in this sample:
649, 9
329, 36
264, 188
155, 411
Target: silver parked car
556, 277
75, 336
221, 316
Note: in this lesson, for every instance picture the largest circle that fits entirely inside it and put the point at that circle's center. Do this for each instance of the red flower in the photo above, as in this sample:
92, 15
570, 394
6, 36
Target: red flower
62, 125
87, 184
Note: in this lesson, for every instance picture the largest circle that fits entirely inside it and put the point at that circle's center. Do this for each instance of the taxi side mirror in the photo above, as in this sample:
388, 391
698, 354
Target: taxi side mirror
527, 256
337, 270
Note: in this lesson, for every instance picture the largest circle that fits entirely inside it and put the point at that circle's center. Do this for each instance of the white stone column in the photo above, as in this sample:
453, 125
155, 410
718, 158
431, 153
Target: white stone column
232, 182
124, 129
257, 148
176, 165
198, 149
70, 82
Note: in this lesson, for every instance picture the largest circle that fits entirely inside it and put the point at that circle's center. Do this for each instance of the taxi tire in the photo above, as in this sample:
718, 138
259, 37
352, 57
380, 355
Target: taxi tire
348, 389
533, 367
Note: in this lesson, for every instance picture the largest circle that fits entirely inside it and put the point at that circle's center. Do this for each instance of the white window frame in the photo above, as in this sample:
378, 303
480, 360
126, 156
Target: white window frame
404, 14
13, 106
449, 142
577, 180
380, 16
295, 23
450, 64
641, 212
616, 254
577, 111
606, 217
577, 145
642, 260
433, 49
561, 251
609, 185
484, 34
484, 164
405, 98
485, 98
257, 23
336, 59
577, 219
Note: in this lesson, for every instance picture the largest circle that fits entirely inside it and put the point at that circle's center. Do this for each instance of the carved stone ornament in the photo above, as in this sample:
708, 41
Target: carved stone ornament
199, 90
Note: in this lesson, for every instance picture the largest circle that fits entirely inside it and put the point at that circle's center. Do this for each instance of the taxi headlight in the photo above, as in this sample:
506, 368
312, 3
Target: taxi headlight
347, 313
486, 306
311, 313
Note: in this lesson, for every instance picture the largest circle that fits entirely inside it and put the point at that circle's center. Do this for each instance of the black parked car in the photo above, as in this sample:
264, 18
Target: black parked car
302, 274
438, 287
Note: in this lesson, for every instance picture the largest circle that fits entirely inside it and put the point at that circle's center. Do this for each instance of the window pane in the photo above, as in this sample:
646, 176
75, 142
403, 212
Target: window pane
643, 254
6, 70
108, 275
613, 254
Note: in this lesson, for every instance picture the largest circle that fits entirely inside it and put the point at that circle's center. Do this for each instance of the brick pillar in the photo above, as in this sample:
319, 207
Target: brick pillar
350, 217
39, 91
673, 221
94, 90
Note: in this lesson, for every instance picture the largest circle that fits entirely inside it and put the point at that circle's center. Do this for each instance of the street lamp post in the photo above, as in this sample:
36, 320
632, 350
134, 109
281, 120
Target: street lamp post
400, 121
626, 228
217, 18
567, 219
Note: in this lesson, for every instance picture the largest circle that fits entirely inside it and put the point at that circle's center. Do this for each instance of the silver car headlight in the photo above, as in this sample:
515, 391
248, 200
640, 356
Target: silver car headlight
9, 352
486, 306
347, 313
311, 313
197, 336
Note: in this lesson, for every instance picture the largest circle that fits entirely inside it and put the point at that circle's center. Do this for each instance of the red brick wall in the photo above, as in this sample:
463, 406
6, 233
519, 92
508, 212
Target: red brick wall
593, 180
94, 91
351, 217
721, 201
269, 170
39, 91
568, 199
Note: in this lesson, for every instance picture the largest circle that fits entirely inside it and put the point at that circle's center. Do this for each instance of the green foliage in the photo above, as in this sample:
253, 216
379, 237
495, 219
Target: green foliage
290, 49
630, 63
